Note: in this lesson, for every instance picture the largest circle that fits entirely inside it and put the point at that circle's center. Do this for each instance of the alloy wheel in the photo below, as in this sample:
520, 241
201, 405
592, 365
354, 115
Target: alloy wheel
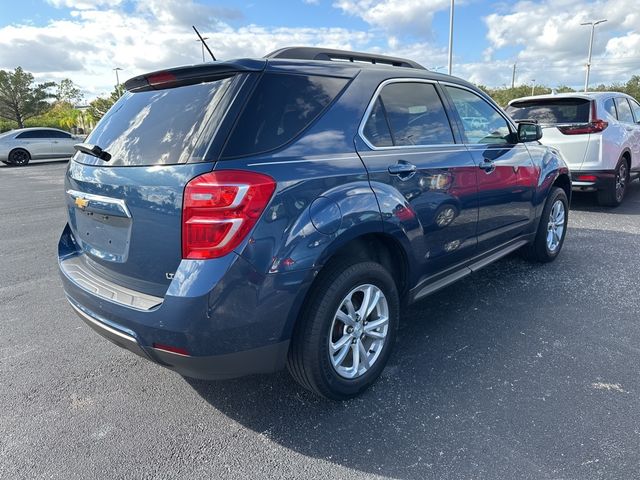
358, 331
555, 227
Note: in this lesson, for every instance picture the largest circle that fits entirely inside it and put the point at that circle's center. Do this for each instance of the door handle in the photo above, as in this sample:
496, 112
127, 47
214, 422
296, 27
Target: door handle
487, 165
404, 170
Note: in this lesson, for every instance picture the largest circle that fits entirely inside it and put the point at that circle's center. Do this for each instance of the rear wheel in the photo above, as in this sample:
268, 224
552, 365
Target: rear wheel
346, 332
19, 157
614, 195
552, 228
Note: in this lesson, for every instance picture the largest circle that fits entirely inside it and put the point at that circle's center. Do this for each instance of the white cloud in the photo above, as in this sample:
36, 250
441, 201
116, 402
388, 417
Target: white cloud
552, 45
395, 16
156, 35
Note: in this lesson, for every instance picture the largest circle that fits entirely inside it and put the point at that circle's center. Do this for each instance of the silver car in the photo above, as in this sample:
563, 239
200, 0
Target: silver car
18, 147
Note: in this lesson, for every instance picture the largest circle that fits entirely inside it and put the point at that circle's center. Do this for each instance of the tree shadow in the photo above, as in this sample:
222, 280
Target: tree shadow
486, 381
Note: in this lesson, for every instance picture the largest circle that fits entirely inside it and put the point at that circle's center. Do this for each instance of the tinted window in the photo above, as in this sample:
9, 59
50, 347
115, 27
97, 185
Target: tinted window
279, 109
624, 110
482, 123
635, 107
157, 127
376, 130
610, 107
552, 110
415, 114
34, 134
57, 134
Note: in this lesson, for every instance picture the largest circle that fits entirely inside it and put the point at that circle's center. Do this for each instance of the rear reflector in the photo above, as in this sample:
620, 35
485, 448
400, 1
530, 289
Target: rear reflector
171, 349
586, 178
594, 126
219, 209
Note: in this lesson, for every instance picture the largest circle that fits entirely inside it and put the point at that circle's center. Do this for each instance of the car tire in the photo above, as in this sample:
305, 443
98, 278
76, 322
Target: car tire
19, 157
322, 335
614, 195
552, 228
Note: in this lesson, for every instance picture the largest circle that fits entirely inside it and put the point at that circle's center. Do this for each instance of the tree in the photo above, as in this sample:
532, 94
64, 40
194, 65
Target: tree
100, 106
20, 97
68, 92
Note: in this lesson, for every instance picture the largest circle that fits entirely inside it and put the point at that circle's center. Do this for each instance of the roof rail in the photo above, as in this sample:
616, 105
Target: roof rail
329, 54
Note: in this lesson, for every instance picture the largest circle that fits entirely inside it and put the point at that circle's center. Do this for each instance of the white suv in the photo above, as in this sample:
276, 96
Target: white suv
597, 133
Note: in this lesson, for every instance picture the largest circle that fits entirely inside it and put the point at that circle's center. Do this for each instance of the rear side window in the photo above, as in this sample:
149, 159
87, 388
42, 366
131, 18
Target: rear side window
157, 127
414, 116
57, 134
624, 110
280, 108
376, 130
482, 123
636, 110
553, 110
610, 107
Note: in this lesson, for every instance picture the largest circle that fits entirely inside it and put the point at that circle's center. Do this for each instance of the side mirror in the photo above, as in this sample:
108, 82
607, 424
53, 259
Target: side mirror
529, 131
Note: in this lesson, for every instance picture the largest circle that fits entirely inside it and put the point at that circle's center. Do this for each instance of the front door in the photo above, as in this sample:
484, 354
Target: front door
504, 202
425, 181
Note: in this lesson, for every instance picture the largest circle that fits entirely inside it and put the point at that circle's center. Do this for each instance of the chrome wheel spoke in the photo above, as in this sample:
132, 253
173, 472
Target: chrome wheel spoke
344, 318
344, 340
380, 322
355, 349
374, 334
342, 354
364, 355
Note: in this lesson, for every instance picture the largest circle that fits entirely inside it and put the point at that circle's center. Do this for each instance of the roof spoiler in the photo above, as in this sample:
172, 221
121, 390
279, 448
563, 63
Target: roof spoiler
328, 54
192, 74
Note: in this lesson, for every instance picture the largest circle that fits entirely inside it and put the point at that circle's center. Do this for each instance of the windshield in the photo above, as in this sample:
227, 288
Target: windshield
159, 127
550, 111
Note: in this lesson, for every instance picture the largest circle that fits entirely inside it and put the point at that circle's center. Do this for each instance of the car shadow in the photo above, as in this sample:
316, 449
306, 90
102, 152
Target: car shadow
35, 163
477, 384
588, 202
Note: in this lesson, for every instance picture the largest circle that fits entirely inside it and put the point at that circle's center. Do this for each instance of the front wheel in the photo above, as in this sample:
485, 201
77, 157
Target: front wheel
346, 332
552, 228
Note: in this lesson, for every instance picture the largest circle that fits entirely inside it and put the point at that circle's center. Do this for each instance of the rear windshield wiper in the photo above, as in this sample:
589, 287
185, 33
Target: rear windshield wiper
93, 150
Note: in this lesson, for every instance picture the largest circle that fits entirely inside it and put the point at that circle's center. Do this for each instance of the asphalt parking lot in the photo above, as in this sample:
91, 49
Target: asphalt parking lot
519, 371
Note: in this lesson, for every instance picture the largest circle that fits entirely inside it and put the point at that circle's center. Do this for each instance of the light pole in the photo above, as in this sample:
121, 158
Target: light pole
202, 45
117, 69
533, 86
593, 27
451, 37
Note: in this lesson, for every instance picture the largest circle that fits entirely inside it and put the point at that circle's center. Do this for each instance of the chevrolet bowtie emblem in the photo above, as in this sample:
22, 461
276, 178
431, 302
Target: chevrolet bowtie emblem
81, 202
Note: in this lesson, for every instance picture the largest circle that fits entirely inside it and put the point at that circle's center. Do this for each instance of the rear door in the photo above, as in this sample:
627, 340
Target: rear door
125, 214
424, 179
504, 193
635, 157
62, 143
631, 129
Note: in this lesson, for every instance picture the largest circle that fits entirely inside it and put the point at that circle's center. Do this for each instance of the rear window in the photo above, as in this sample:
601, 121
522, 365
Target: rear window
281, 106
159, 127
556, 110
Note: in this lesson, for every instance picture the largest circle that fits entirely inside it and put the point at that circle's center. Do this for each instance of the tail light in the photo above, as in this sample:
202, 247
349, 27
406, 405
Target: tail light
594, 126
219, 209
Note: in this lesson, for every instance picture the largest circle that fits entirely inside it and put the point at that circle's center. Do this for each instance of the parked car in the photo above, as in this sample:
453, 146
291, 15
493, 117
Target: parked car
229, 218
597, 133
18, 147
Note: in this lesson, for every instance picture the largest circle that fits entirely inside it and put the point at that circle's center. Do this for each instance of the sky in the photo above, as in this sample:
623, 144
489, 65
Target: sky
84, 40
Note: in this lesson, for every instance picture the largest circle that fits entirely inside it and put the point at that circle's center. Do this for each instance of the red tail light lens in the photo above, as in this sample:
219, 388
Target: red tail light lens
594, 126
219, 209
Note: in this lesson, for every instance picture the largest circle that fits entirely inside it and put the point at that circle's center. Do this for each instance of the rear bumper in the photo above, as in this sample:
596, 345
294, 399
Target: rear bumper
228, 319
590, 181
267, 359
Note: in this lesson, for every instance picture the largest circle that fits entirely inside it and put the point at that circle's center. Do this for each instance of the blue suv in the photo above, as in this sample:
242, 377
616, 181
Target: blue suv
235, 217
